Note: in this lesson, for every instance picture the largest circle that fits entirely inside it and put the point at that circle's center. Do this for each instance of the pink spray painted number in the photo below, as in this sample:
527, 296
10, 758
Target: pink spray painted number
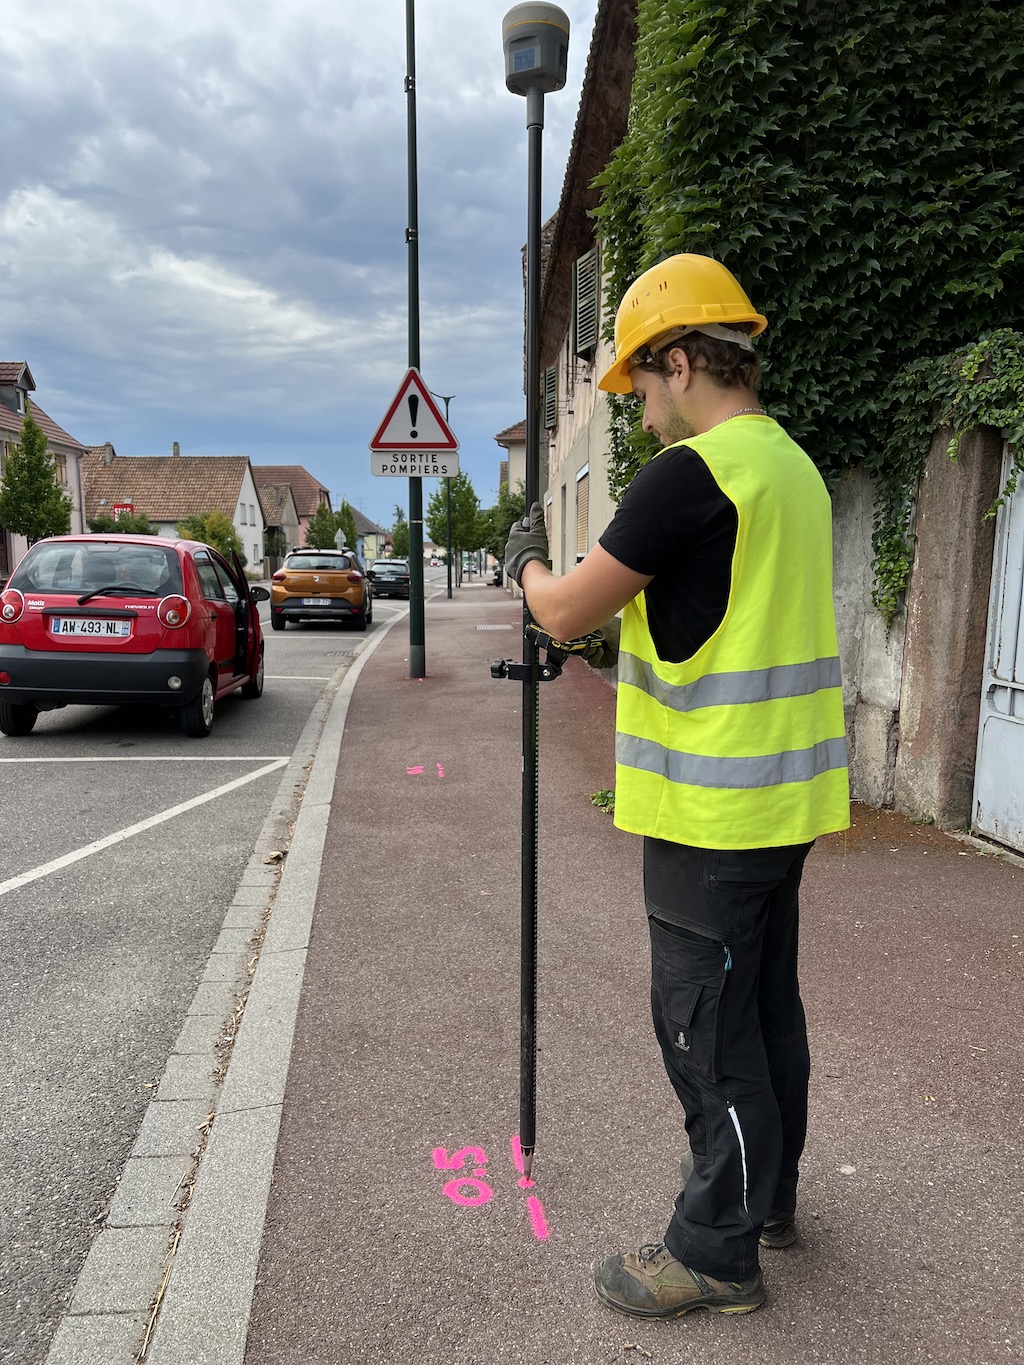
470, 1190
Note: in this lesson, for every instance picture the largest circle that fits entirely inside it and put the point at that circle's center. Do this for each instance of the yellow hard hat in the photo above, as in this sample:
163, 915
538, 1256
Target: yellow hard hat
682, 291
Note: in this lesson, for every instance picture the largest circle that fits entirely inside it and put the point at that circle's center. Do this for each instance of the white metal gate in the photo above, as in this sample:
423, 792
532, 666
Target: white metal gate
999, 775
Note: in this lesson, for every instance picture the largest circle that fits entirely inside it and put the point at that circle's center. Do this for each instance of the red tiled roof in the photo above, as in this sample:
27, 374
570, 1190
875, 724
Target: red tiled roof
513, 433
305, 489
13, 370
164, 487
11, 423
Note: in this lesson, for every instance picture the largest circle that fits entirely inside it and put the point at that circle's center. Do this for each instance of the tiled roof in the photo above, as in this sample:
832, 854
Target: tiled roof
274, 501
305, 489
510, 434
364, 526
164, 487
11, 371
11, 424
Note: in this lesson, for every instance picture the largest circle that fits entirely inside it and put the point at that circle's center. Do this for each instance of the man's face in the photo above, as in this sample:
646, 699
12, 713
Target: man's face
660, 399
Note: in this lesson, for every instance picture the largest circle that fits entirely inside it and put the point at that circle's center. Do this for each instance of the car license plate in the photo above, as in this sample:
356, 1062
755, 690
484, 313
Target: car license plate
316, 601
90, 625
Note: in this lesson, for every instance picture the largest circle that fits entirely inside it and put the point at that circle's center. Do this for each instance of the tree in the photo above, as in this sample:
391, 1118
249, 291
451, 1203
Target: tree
499, 519
129, 524
347, 523
31, 503
214, 529
322, 528
467, 531
400, 535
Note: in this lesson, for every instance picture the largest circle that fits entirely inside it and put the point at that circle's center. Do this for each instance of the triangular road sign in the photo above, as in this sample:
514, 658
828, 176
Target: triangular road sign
413, 422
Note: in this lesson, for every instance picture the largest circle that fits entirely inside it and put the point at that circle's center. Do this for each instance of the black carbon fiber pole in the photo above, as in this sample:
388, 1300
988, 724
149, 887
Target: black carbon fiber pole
536, 39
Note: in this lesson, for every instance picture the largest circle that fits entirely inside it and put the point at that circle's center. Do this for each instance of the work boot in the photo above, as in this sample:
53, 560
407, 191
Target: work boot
651, 1283
779, 1227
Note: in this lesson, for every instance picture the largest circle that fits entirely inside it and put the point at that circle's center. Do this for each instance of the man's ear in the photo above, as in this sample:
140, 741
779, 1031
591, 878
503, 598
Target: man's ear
678, 363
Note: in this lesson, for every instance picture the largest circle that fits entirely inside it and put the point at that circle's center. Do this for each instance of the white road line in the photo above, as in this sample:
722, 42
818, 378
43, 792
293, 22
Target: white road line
24, 878
155, 758
298, 677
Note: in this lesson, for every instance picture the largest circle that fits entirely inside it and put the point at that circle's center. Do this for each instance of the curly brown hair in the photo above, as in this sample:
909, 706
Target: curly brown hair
726, 364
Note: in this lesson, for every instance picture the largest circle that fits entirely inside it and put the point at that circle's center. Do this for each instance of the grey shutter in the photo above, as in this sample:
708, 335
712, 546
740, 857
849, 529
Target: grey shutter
549, 396
586, 305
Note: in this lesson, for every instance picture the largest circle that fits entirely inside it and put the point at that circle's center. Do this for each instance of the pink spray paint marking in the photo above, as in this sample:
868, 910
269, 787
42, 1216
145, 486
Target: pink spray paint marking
537, 1220
440, 771
415, 772
482, 1192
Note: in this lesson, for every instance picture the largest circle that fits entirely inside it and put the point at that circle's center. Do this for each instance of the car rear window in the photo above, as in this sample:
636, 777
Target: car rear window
86, 566
325, 562
398, 564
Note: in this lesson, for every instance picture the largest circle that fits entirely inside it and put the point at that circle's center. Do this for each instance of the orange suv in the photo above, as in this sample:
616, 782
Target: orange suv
320, 585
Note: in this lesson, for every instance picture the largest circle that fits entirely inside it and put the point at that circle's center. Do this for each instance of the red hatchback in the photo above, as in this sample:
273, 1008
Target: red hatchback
109, 620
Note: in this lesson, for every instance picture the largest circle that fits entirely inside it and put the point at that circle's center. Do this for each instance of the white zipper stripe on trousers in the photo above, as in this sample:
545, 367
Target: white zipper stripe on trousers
743, 1152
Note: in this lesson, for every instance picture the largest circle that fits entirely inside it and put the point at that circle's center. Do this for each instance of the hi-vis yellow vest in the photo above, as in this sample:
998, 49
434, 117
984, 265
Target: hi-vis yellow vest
743, 745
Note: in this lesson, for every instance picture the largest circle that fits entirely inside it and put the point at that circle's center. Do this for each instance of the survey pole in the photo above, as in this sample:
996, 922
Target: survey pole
417, 642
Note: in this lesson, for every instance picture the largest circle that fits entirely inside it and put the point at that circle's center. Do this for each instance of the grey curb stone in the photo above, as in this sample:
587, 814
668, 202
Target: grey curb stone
97, 1339
121, 1271
149, 1192
171, 1128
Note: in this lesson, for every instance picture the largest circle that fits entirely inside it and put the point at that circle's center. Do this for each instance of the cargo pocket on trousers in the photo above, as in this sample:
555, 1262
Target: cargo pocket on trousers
692, 986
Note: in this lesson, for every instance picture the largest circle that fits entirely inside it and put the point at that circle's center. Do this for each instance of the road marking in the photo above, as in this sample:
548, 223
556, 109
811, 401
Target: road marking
156, 758
24, 878
298, 677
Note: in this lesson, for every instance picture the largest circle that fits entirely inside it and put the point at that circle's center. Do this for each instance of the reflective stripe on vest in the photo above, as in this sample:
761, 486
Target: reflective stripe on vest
731, 689
699, 770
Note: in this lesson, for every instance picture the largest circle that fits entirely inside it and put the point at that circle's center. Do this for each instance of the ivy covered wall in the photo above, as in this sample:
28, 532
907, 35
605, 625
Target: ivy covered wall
859, 167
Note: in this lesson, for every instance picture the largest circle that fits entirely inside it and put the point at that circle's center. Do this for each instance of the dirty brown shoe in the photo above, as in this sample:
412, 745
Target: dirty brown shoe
779, 1227
651, 1283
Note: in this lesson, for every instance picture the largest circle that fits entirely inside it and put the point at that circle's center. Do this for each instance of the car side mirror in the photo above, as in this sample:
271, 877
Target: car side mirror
259, 594
370, 575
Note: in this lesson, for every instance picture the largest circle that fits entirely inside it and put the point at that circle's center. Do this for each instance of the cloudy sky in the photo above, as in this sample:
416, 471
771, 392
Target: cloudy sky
202, 224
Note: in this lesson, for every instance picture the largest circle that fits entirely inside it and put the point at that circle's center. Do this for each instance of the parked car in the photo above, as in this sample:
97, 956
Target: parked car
320, 585
117, 619
390, 577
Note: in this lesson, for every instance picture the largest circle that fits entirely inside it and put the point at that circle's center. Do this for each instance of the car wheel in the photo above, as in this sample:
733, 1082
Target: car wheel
197, 715
359, 619
254, 687
17, 719
277, 622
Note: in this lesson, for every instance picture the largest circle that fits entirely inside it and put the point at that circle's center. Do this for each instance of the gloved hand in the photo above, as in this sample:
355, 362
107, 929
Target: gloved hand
605, 652
525, 543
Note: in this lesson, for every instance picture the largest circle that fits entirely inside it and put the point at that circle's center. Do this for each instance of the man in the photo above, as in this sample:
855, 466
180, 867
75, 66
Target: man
730, 760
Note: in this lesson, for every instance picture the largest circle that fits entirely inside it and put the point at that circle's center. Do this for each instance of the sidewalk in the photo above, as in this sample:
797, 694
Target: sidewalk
407, 1041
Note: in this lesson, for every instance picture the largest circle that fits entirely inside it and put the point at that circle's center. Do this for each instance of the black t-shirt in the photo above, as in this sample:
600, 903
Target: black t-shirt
676, 523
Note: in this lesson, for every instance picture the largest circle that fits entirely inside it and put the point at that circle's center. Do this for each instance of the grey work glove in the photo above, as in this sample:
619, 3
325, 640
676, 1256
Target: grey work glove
526, 543
605, 653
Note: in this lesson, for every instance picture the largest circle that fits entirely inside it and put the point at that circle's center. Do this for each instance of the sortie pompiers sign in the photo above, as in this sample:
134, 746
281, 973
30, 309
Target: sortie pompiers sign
414, 441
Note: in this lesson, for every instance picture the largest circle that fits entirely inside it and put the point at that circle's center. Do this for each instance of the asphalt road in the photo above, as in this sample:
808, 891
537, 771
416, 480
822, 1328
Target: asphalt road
101, 948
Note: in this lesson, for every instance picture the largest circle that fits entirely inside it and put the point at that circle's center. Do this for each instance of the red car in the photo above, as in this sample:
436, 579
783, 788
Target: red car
110, 620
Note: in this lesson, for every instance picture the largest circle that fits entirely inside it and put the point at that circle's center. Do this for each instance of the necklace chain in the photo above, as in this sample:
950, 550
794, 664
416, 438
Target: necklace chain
740, 412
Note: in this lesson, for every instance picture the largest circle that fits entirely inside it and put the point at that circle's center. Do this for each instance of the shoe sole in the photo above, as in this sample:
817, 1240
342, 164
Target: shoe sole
708, 1303
778, 1240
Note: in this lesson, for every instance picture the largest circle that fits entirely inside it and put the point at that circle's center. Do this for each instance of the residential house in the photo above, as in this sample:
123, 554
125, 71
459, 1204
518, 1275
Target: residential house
16, 386
370, 538
169, 488
281, 520
933, 698
308, 493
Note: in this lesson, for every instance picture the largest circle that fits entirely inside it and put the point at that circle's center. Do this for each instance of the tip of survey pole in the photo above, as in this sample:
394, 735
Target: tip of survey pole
527, 1162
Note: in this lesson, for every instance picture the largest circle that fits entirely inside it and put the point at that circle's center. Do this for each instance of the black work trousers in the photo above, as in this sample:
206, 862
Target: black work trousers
725, 999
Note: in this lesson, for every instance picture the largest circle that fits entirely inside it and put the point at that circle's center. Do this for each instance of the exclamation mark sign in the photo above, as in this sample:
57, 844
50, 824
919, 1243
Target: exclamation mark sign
414, 405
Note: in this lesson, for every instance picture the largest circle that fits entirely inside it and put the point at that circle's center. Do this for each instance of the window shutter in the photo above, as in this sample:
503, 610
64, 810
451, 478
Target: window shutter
549, 396
586, 305
582, 515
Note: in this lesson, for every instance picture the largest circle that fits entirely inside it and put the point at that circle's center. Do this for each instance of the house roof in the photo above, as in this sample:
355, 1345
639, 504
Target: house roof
274, 501
305, 489
164, 487
601, 124
512, 434
366, 527
11, 423
16, 372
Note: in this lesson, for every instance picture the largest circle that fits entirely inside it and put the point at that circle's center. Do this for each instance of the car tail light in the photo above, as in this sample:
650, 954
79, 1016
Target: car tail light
355, 578
12, 604
174, 611
278, 577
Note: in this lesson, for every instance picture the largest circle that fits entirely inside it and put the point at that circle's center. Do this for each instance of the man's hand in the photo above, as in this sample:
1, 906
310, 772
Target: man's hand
525, 544
605, 653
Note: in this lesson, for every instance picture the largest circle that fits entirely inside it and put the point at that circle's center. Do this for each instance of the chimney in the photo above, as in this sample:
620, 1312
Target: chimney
175, 449
108, 453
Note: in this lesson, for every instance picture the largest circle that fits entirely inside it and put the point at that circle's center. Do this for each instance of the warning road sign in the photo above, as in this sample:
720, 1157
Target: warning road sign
413, 423
414, 464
